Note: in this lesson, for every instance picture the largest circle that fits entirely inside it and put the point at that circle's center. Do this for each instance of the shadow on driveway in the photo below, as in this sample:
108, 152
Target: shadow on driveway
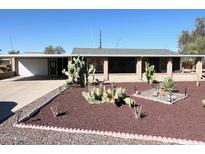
38, 78
5, 109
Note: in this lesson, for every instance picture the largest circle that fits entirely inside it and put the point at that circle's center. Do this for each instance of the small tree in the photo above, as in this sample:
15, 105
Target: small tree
54, 50
14, 52
78, 72
149, 73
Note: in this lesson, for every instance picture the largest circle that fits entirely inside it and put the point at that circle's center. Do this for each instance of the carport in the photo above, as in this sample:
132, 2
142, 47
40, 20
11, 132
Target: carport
26, 65
41, 66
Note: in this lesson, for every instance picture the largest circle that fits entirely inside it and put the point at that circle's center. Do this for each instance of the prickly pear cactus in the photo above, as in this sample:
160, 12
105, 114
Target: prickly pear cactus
96, 96
119, 93
78, 72
150, 73
100, 94
129, 101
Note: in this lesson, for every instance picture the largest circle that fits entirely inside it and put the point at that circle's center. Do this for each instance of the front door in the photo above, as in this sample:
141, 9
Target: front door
53, 70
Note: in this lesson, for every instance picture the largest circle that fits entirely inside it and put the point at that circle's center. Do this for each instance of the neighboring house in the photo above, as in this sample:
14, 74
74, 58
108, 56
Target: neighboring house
5, 61
112, 64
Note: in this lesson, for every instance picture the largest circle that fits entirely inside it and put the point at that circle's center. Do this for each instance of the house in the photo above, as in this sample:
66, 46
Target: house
112, 64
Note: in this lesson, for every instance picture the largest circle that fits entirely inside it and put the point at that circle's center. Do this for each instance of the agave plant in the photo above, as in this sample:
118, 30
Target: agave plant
78, 72
168, 85
149, 73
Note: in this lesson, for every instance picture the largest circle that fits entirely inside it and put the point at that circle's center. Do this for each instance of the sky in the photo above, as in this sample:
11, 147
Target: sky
33, 30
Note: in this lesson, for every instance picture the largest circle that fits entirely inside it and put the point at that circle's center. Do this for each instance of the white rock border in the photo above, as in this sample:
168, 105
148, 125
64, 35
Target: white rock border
158, 100
113, 134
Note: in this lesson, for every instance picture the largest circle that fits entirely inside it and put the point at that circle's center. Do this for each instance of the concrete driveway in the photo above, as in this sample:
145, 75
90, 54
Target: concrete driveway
18, 92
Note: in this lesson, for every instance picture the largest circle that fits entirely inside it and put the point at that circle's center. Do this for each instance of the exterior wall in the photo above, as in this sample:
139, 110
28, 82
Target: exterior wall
131, 77
32, 67
184, 76
6, 75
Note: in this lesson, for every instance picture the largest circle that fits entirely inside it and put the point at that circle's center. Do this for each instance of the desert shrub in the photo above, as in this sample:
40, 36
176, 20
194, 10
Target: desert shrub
149, 73
188, 64
78, 72
3, 68
168, 85
8, 67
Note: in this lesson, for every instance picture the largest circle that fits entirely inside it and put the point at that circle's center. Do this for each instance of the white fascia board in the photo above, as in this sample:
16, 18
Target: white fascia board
91, 55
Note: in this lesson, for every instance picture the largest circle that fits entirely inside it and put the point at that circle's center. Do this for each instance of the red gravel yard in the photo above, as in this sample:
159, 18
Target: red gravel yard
184, 119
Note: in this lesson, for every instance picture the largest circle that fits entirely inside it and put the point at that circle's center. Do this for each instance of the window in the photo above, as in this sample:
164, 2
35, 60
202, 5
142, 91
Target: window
97, 62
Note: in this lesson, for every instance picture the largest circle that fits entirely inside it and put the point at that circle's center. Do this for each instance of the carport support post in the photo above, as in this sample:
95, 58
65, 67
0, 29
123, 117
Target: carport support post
13, 64
198, 69
169, 68
139, 68
105, 69
69, 60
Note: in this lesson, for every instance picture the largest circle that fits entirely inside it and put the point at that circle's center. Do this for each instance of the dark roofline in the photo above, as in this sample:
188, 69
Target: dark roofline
128, 48
121, 51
